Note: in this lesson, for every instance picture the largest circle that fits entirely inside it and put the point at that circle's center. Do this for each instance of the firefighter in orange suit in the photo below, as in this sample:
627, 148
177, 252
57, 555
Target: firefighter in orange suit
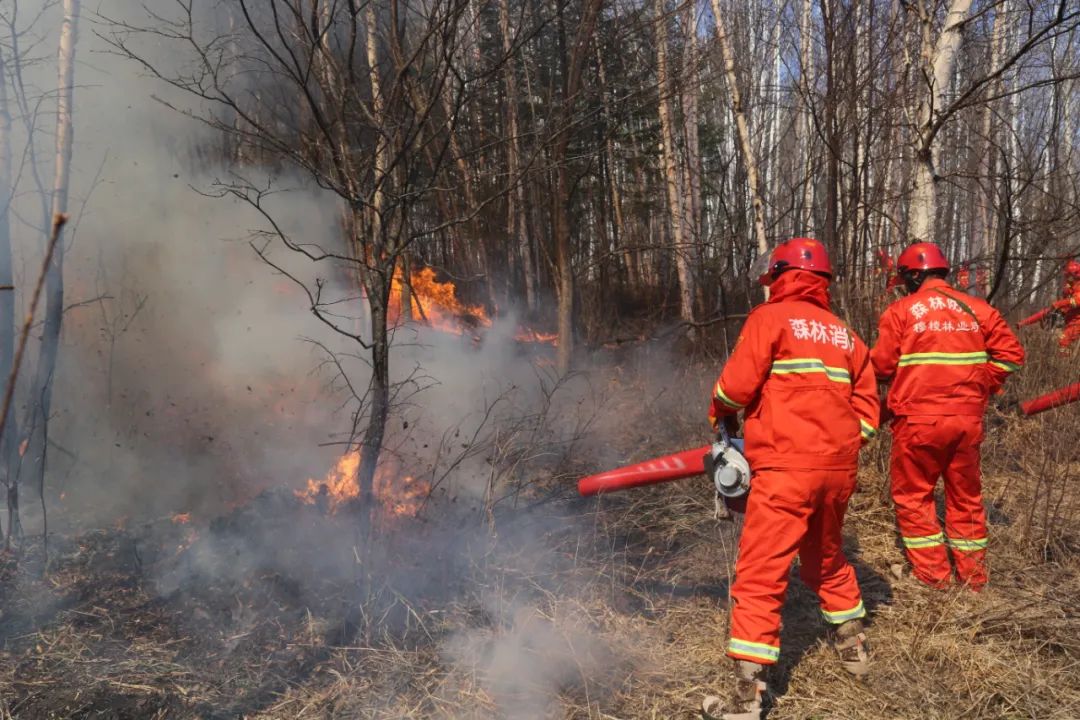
1069, 305
944, 353
806, 386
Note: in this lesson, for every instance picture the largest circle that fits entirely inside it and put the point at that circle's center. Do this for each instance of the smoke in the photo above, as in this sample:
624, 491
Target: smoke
193, 378
529, 658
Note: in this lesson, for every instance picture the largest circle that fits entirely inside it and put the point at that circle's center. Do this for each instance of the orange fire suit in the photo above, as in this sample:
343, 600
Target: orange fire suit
944, 353
807, 387
1070, 305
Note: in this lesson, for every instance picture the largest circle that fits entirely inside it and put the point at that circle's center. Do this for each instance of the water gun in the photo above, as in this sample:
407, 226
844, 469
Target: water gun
723, 462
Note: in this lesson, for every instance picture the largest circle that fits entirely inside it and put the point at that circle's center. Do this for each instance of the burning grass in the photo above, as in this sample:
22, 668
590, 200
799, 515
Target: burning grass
609, 608
436, 304
397, 493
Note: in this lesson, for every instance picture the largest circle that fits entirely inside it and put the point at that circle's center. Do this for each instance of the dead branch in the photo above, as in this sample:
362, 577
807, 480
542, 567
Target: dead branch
58, 223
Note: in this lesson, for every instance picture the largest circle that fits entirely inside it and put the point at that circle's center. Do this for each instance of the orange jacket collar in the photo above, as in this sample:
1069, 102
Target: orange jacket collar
800, 285
934, 283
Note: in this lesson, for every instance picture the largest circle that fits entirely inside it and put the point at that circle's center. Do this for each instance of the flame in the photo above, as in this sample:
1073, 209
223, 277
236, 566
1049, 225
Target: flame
401, 495
436, 304
528, 335
181, 518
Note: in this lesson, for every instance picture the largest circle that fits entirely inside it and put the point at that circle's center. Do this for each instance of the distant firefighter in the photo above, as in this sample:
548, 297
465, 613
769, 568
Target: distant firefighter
1069, 305
1064, 313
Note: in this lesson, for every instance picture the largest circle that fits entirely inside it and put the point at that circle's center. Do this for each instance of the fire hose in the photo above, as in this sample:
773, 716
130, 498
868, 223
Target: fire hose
1050, 400
722, 461
1032, 319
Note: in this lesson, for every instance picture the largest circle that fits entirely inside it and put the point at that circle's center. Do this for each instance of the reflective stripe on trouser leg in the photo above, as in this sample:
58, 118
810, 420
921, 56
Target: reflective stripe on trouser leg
965, 516
773, 529
842, 616
822, 565
918, 458
753, 651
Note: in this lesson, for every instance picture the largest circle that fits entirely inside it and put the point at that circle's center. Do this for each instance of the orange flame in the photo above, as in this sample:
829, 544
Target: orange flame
436, 304
528, 335
181, 518
400, 495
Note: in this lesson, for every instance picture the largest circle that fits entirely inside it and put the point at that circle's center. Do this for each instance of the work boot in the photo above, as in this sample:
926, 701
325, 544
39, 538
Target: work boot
849, 639
745, 701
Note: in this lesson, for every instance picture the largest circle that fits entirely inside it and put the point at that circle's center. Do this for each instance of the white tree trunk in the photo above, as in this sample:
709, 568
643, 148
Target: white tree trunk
806, 62
691, 91
7, 297
745, 141
939, 63
671, 168
982, 234
54, 277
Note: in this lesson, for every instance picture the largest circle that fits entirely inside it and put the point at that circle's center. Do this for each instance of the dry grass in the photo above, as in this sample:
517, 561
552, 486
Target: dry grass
601, 609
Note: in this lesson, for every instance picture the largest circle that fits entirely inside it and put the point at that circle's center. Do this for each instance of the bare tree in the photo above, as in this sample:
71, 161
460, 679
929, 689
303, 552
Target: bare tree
573, 67
746, 144
42, 386
678, 202
380, 93
938, 65
7, 297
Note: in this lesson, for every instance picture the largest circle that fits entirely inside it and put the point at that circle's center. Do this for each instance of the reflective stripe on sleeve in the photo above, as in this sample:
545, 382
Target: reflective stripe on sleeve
793, 366
967, 544
868, 430
943, 358
844, 615
1006, 366
758, 651
915, 543
720, 395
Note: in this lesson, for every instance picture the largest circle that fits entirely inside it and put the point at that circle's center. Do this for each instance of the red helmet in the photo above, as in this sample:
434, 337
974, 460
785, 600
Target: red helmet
800, 253
921, 256
1072, 269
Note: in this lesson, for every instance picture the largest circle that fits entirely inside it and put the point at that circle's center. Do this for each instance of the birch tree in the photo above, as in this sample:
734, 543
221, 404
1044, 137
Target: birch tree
383, 112
42, 387
677, 201
746, 144
7, 294
938, 62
